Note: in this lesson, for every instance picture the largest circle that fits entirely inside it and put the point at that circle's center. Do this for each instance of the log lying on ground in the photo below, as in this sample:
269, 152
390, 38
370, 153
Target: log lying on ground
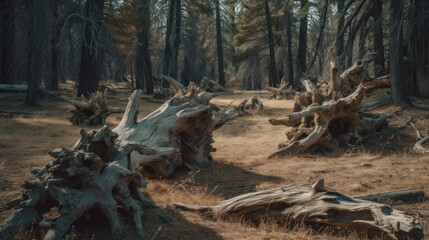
301, 203
283, 92
404, 196
418, 146
209, 85
324, 127
308, 85
95, 174
92, 112
234, 83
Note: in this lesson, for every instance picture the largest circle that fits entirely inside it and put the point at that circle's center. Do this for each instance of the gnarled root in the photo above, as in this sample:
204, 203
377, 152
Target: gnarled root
96, 173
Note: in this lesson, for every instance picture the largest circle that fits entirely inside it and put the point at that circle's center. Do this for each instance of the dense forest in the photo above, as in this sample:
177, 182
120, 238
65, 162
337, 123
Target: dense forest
260, 42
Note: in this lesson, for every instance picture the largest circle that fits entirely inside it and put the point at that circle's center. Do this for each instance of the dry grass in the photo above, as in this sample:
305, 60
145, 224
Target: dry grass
241, 165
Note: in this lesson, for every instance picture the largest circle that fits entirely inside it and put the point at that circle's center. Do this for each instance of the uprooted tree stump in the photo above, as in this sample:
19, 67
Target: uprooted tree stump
284, 91
301, 203
92, 112
209, 85
319, 125
180, 130
95, 173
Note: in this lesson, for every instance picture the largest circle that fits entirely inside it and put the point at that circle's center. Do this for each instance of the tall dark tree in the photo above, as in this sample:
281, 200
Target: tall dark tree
89, 75
168, 38
38, 47
219, 44
302, 48
177, 40
378, 37
397, 70
418, 48
289, 67
274, 74
340, 41
143, 64
6, 39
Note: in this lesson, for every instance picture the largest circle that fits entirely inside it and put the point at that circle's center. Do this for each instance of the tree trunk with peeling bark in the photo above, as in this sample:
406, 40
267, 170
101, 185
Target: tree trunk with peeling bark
300, 203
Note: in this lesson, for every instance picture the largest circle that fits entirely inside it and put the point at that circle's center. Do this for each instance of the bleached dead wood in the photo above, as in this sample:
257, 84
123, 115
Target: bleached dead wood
343, 84
308, 85
95, 173
418, 146
316, 205
94, 111
284, 91
323, 125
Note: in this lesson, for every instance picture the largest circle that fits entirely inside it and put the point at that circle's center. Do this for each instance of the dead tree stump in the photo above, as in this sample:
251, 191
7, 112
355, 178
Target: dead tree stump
95, 173
324, 125
92, 112
301, 203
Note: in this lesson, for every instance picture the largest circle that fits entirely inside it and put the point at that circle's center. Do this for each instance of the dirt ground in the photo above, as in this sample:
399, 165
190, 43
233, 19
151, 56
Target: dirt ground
240, 165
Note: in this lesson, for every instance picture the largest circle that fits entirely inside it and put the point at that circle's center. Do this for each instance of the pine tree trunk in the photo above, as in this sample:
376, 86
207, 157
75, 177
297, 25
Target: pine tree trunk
289, 68
340, 43
39, 39
302, 49
7, 29
89, 74
274, 74
378, 38
144, 67
419, 49
167, 48
176, 40
397, 70
219, 45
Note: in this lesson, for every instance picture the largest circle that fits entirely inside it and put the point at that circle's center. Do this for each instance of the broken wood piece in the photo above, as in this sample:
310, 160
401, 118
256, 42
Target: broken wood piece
284, 91
404, 195
301, 203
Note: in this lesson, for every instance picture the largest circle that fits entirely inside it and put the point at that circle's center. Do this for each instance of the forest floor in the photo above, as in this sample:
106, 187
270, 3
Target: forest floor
240, 165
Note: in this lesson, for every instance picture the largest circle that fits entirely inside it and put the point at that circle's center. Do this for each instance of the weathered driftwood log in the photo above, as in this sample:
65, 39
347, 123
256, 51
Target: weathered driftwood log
92, 112
95, 173
284, 91
404, 196
325, 126
301, 203
209, 85
180, 130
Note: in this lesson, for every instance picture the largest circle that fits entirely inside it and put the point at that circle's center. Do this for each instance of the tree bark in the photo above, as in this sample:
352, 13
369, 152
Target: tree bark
418, 48
274, 74
302, 49
340, 40
7, 30
377, 15
219, 44
143, 63
289, 67
168, 41
177, 39
397, 71
89, 75
39, 44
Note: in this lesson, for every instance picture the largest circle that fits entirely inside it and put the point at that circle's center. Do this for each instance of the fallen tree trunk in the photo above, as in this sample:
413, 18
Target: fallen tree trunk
404, 196
92, 112
315, 205
95, 174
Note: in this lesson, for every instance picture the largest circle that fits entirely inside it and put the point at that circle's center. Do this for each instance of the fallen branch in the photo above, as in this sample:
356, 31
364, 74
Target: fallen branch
404, 196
